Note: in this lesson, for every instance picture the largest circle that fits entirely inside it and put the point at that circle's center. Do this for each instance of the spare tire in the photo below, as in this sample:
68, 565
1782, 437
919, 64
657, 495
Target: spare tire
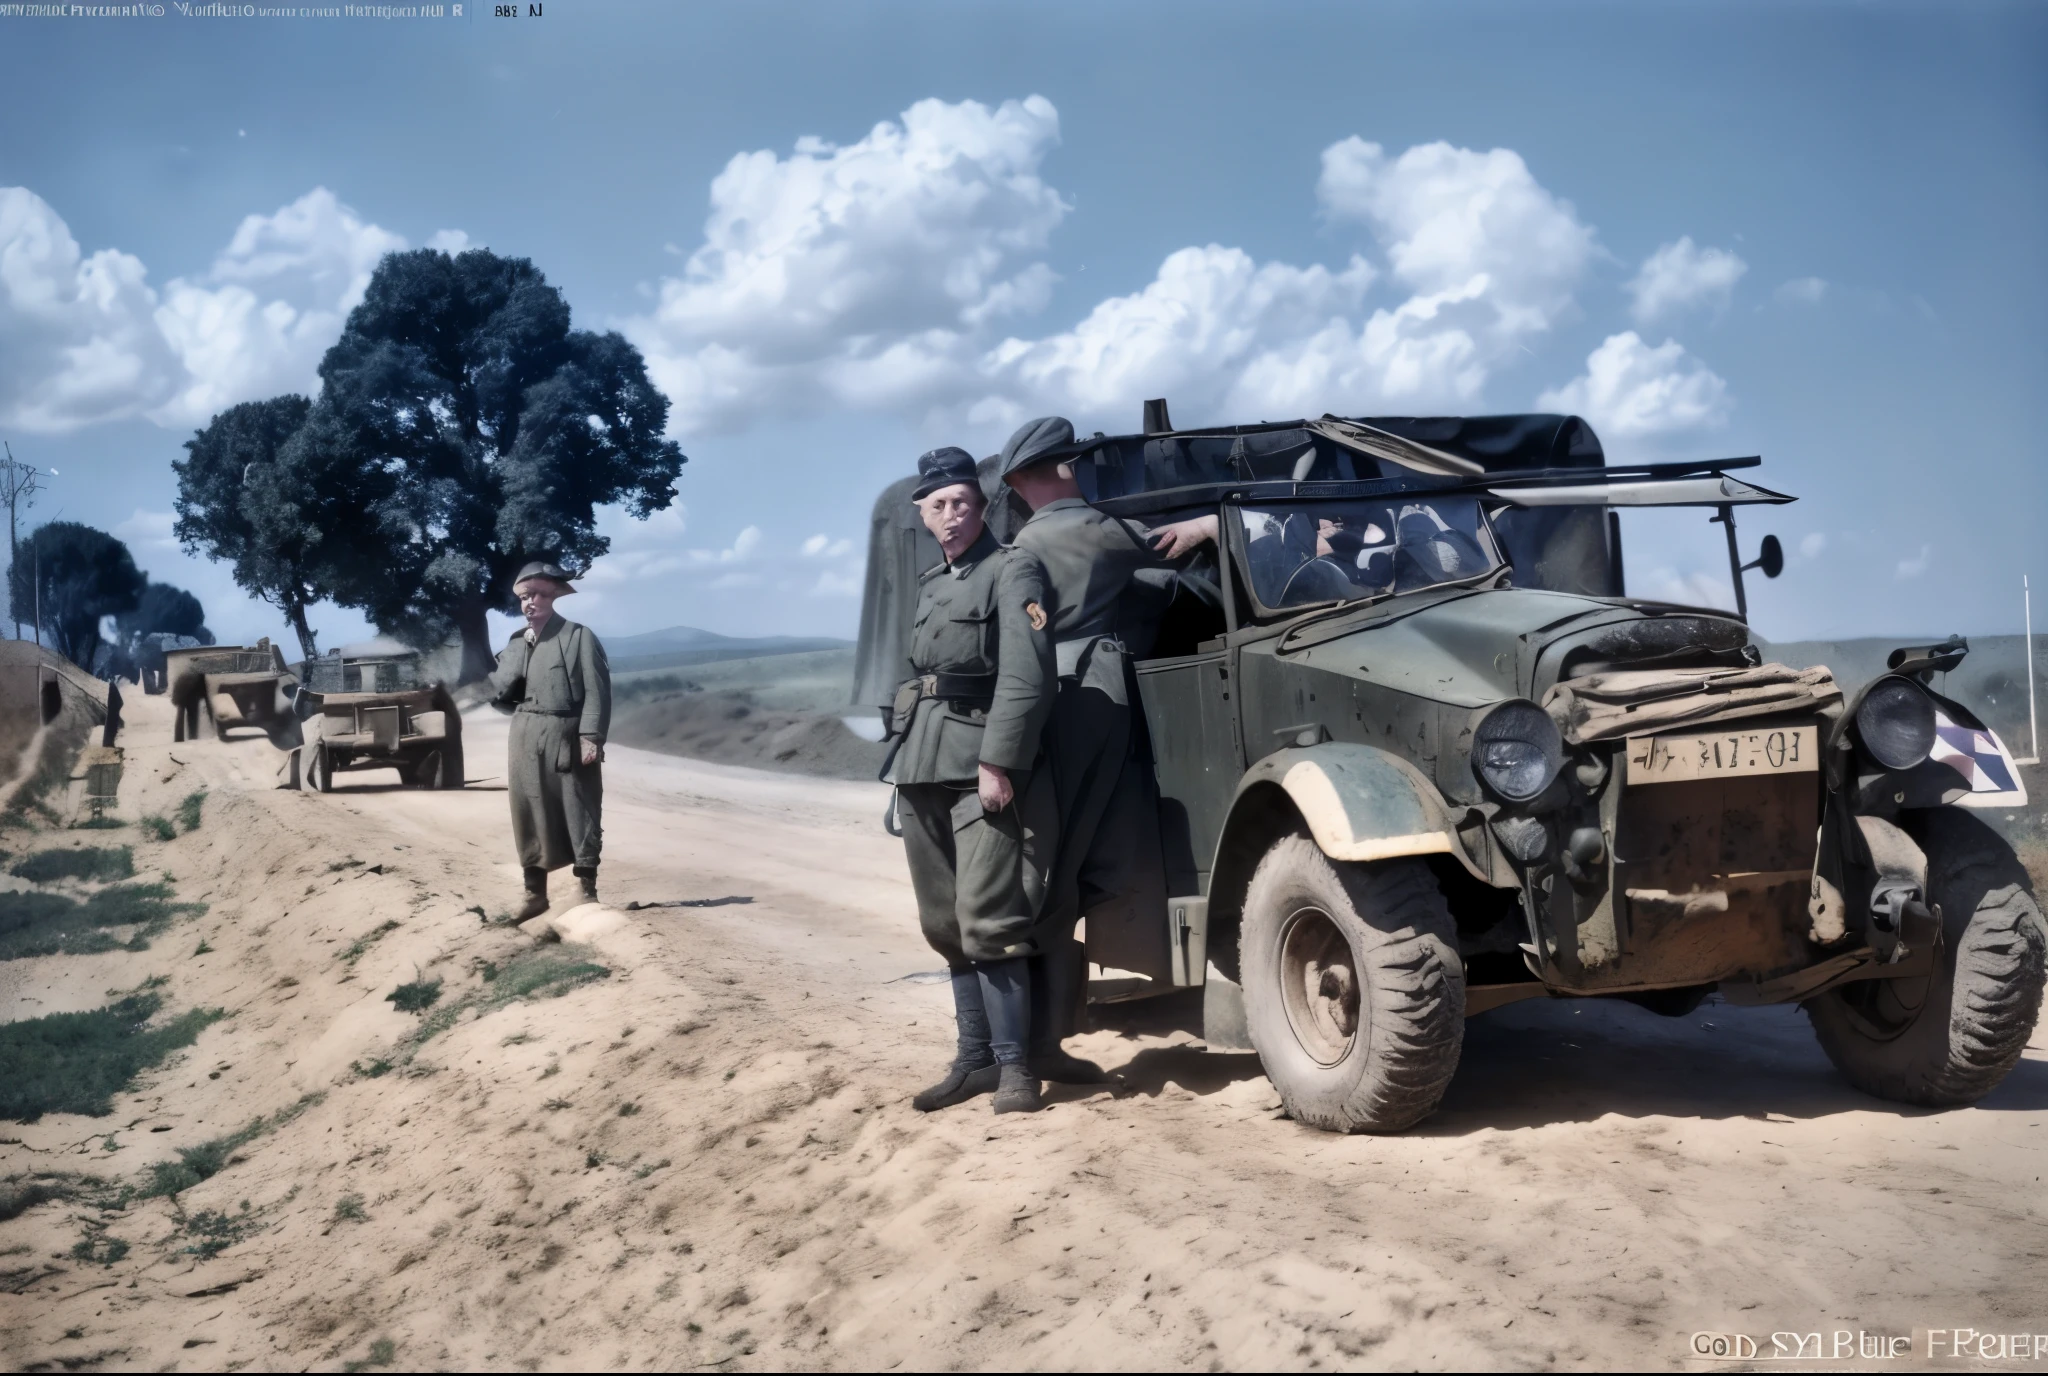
1354, 993
1948, 1038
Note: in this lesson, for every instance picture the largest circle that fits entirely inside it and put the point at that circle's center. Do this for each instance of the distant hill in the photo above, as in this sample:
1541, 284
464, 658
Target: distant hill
681, 646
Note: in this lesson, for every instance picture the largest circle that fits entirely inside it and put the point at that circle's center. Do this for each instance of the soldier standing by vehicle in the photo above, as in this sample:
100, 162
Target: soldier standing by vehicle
969, 725
554, 678
1108, 578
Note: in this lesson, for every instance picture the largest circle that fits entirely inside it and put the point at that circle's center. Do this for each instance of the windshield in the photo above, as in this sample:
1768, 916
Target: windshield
1301, 553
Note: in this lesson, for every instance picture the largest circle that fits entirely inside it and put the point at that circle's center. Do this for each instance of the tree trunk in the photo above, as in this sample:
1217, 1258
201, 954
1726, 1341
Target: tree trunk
295, 612
477, 659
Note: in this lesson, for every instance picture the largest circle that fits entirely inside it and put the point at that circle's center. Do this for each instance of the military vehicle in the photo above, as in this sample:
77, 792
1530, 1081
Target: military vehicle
375, 712
1419, 754
231, 687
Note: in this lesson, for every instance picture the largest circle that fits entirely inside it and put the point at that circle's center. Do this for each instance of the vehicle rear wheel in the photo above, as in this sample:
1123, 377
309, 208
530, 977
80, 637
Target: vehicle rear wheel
1353, 991
1950, 1037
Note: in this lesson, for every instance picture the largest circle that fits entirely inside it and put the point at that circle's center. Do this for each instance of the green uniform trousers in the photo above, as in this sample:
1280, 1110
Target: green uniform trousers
979, 876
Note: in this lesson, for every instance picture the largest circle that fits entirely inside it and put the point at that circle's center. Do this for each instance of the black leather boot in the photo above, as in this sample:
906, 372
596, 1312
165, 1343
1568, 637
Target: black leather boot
587, 876
536, 895
1055, 1064
1058, 996
1017, 1090
964, 1080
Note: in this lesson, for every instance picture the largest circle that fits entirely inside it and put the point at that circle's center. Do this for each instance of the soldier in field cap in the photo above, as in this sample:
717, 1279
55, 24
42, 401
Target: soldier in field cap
554, 679
966, 727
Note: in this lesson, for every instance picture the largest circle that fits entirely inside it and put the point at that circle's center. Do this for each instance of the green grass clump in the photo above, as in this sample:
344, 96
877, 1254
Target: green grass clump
364, 942
84, 862
213, 1231
415, 996
548, 972
48, 924
209, 1159
383, 1352
78, 1062
188, 810
99, 1248
159, 828
20, 1193
349, 1209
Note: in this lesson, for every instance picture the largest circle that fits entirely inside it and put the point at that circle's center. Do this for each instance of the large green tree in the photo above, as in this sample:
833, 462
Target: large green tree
70, 576
236, 504
495, 430
462, 429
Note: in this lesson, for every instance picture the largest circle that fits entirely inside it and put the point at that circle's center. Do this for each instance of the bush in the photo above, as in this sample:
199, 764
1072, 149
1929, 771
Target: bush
83, 862
188, 810
159, 828
416, 996
209, 1159
48, 924
78, 1062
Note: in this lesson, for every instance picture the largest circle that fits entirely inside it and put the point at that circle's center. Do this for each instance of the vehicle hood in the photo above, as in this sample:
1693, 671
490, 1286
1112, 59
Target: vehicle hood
1473, 647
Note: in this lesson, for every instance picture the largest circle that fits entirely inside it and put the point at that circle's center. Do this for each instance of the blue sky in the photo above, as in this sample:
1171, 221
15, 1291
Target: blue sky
844, 234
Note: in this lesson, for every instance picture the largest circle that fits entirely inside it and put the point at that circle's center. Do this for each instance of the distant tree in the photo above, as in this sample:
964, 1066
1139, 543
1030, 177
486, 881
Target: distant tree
84, 575
164, 610
236, 504
491, 432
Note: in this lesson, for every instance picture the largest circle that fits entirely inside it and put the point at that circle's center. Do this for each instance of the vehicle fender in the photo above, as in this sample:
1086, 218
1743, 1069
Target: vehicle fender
1359, 802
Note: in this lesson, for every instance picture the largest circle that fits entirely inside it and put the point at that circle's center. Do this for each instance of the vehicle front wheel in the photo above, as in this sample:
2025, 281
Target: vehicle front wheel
1353, 990
1948, 1038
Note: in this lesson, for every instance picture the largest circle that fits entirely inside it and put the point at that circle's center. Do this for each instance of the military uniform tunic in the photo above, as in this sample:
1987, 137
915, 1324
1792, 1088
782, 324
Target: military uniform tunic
559, 689
980, 631
1108, 587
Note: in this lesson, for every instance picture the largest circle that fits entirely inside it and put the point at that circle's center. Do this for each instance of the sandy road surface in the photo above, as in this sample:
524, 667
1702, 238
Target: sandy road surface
706, 1159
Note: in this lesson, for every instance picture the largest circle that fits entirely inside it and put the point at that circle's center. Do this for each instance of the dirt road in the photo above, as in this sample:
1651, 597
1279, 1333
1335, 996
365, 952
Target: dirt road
706, 1158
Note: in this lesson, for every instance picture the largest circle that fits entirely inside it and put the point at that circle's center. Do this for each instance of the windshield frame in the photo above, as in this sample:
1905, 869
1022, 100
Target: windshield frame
1235, 540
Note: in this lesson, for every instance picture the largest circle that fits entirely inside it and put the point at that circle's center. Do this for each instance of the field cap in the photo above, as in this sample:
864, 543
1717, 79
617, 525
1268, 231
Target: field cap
544, 568
1036, 441
939, 468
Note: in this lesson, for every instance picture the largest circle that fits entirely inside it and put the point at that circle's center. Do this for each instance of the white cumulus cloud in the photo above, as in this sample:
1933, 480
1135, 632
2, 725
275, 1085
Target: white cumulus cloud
274, 301
900, 273
1917, 565
1801, 291
148, 532
85, 339
1465, 224
859, 274
1631, 390
78, 336
1679, 276
1811, 545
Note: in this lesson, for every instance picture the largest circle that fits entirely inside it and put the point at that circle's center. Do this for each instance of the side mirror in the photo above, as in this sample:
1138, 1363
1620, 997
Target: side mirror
1772, 557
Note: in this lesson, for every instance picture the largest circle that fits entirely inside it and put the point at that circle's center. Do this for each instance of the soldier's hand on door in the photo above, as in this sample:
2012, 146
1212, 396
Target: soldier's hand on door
995, 787
592, 751
1183, 537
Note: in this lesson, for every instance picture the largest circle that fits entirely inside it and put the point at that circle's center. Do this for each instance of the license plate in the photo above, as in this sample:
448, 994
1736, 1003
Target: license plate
1725, 755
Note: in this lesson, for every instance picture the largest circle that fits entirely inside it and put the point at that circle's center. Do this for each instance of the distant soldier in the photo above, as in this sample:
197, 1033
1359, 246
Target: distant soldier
969, 723
554, 678
1109, 578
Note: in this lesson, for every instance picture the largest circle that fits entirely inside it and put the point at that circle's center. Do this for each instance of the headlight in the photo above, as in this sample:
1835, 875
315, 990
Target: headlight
1895, 721
1516, 751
